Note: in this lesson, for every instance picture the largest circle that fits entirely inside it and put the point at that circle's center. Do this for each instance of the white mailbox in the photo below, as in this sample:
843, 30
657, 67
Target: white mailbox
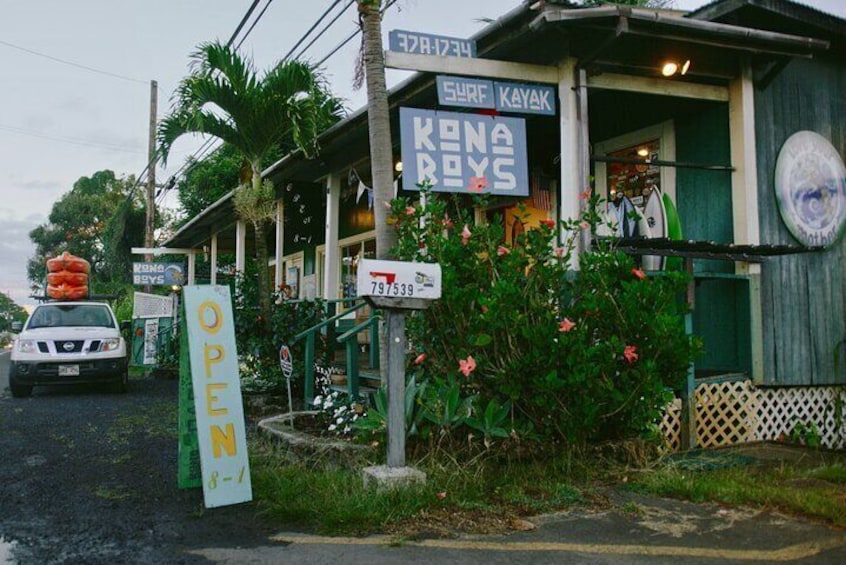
398, 284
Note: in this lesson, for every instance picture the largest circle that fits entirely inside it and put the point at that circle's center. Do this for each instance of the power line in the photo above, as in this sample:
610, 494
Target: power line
263, 10
70, 140
243, 21
349, 38
325, 29
317, 23
71, 63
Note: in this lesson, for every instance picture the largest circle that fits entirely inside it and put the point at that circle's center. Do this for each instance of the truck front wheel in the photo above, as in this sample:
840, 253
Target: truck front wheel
18, 390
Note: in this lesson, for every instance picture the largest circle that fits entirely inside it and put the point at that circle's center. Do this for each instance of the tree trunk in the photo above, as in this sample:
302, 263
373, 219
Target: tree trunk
261, 256
379, 126
381, 155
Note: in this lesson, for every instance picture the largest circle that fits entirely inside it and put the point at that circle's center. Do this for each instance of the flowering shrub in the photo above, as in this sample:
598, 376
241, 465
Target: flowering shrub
340, 413
259, 339
574, 356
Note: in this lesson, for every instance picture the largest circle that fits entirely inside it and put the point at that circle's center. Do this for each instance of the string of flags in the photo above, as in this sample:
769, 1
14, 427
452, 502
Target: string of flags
354, 180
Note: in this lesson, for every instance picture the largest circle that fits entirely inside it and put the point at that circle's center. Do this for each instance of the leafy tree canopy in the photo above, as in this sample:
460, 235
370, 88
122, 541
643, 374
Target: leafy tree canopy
208, 180
10, 312
95, 220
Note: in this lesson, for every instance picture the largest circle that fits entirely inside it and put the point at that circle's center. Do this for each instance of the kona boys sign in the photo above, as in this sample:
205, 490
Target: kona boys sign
465, 153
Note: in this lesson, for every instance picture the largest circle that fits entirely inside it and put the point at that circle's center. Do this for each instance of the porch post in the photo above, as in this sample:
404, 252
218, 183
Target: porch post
331, 255
240, 246
279, 277
744, 195
192, 262
213, 265
570, 154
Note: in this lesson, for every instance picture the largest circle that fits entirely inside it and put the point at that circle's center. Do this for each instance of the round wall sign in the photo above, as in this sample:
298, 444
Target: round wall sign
810, 187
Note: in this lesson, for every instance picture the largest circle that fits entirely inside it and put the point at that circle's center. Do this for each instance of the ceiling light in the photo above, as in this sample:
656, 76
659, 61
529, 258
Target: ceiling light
643, 152
398, 167
685, 67
669, 69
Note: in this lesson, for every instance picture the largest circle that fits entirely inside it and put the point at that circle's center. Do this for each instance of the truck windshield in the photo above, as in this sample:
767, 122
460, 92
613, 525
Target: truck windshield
69, 315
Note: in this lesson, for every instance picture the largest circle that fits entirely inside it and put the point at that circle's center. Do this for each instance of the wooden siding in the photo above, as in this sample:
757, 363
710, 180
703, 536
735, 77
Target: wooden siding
721, 316
803, 296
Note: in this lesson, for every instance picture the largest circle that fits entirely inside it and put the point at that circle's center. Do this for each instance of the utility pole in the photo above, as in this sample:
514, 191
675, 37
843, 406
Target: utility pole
151, 171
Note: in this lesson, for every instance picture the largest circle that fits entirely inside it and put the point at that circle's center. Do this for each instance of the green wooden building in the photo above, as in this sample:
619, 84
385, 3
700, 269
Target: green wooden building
761, 215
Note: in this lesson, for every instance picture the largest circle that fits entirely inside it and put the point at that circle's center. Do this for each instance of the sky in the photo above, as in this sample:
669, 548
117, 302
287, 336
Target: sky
75, 84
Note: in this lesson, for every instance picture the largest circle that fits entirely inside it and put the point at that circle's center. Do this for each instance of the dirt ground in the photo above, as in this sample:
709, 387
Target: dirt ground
87, 476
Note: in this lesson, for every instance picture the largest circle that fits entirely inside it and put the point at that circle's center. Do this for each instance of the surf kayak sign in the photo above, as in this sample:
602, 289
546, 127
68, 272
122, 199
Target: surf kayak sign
518, 98
810, 187
464, 153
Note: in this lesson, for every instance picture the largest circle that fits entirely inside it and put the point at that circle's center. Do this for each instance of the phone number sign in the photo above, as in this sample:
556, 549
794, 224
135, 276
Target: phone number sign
398, 280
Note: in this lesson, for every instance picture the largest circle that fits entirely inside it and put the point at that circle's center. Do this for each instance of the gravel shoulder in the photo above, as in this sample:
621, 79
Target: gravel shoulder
90, 476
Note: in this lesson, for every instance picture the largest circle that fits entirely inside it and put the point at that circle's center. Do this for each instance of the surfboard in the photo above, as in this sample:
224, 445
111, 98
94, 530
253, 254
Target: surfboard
622, 217
655, 218
674, 231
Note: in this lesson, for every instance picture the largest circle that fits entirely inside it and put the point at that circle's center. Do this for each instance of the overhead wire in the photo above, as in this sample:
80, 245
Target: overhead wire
205, 149
350, 37
311, 29
70, 140
71, 63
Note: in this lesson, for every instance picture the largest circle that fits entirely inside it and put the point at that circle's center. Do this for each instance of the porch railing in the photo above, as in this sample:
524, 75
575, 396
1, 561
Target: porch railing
350, 341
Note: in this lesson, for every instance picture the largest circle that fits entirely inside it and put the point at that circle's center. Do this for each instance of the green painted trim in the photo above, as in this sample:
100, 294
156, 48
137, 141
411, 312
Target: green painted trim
188, 457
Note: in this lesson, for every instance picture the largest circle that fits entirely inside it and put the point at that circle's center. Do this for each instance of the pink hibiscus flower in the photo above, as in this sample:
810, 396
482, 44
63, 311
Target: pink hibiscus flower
465, 235
477, 184
566, 325
639, 273
630, 353
467, 366
502, 250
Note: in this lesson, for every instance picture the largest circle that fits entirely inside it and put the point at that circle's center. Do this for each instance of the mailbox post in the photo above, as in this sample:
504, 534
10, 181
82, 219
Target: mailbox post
395, 287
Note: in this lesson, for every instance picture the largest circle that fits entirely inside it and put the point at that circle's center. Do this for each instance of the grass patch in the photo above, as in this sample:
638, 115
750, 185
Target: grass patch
157, 419
111, 494
480, 496
813, 491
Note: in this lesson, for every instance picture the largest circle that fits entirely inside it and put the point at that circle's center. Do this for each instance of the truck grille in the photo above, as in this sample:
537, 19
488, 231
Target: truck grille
68, 346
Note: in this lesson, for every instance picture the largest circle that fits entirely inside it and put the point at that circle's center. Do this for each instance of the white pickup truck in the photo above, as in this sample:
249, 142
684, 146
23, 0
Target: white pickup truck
68, 343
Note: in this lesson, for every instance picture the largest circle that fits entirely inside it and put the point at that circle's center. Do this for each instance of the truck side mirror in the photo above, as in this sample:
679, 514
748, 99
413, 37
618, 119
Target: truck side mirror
17, 326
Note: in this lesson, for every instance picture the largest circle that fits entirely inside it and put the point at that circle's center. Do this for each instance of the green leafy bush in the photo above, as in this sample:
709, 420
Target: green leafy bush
536, 348
259, 339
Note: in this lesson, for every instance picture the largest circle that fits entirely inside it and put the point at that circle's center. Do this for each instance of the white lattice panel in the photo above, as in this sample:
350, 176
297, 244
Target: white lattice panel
737, 412
671, 426
152, 306
725, 413
782, 409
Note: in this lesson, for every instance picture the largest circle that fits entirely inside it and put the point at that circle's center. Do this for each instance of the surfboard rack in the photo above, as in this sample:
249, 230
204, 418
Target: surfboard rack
705, 249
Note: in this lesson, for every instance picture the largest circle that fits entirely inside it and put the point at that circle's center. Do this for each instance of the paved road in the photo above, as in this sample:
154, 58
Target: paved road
87, 476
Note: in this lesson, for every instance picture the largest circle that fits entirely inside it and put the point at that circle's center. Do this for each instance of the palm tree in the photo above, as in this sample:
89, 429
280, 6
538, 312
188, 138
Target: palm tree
287, 107
378, 120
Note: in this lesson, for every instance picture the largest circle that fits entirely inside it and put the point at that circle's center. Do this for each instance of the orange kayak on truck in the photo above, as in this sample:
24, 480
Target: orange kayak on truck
67, 292
68, 278
68, 262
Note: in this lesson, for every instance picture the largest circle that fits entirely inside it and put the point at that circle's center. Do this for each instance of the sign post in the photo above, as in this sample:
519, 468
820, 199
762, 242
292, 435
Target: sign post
397, 286
286, 362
